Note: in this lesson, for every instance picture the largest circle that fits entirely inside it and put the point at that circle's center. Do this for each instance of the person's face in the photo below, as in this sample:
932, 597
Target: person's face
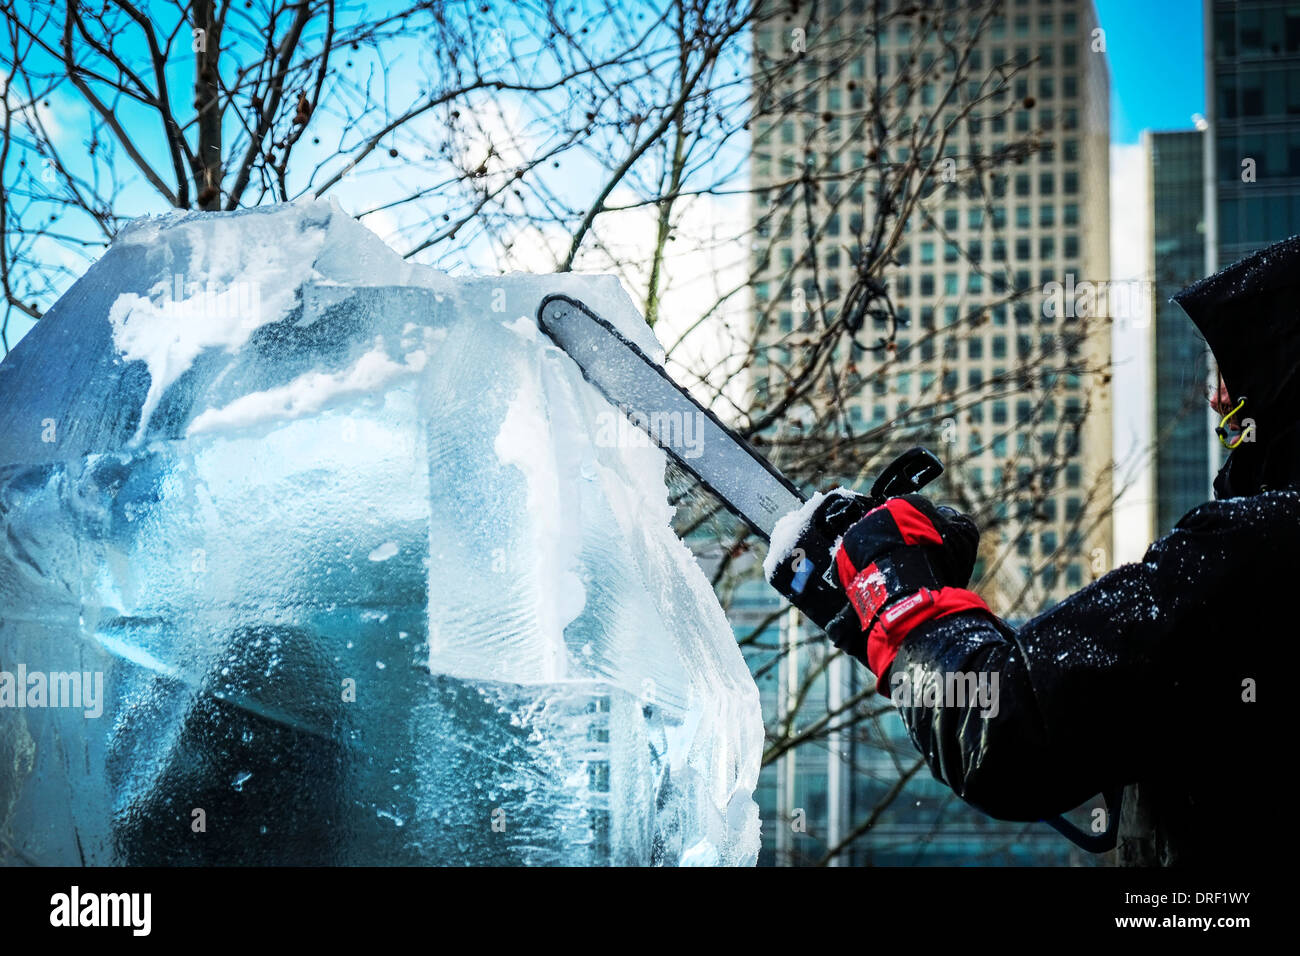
1220, 401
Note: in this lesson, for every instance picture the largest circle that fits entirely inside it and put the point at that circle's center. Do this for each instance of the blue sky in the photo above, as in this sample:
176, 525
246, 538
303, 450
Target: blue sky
1156, 64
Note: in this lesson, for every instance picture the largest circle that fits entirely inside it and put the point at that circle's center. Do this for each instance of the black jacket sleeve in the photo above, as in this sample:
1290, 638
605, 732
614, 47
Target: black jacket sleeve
1088, 694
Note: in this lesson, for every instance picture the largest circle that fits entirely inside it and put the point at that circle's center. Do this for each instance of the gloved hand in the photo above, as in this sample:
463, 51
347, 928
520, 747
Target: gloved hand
904, 563
800, 562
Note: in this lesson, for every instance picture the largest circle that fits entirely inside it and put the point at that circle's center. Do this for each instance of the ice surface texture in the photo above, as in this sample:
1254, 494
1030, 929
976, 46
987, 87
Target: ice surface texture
363, 582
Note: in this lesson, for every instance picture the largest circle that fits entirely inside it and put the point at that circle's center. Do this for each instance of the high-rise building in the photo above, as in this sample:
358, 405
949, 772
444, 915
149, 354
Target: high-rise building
1252, 147
1176, 252
1252, 152
970, 288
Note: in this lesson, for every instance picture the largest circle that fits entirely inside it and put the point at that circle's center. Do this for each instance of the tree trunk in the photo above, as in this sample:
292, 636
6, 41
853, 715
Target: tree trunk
209, 168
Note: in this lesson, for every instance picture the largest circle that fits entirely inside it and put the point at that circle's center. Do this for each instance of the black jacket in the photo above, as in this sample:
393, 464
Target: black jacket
1148, 679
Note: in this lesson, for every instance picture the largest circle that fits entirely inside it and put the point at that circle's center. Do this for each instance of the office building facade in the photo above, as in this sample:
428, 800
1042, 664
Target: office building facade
1180, 361
1043, 220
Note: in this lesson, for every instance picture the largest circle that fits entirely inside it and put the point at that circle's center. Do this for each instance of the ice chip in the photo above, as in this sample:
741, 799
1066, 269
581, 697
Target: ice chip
359, 581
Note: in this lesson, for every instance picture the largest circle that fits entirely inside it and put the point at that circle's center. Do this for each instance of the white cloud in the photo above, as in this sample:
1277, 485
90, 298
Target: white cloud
705, 261
44, 112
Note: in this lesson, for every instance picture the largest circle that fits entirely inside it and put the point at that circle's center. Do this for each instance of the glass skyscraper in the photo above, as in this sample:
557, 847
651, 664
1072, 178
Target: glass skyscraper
1177, 257
1253, 108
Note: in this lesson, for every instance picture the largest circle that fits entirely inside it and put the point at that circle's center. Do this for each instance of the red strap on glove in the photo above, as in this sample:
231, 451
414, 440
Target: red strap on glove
876, 598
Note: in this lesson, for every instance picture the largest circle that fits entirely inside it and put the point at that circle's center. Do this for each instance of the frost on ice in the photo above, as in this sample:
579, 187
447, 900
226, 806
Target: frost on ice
361, 584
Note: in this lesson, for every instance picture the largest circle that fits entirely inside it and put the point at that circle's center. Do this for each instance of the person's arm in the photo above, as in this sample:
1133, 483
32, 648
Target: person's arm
1064, 707
1101, 688
1085, 693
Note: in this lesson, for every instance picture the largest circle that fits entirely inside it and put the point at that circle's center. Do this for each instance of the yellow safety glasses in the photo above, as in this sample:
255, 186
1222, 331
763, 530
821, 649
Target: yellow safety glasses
1222, 430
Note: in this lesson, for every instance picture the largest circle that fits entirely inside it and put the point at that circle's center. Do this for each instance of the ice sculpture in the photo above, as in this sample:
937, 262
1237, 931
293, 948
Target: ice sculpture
361, 581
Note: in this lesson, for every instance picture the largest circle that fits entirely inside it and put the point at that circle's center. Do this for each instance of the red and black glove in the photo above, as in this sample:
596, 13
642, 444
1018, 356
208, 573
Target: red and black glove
906, 562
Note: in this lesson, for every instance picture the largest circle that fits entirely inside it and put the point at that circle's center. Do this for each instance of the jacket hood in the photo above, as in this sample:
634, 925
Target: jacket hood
1249, 314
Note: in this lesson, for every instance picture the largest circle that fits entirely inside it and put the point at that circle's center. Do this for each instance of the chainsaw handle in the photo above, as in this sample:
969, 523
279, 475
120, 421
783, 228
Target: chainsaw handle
908, 473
